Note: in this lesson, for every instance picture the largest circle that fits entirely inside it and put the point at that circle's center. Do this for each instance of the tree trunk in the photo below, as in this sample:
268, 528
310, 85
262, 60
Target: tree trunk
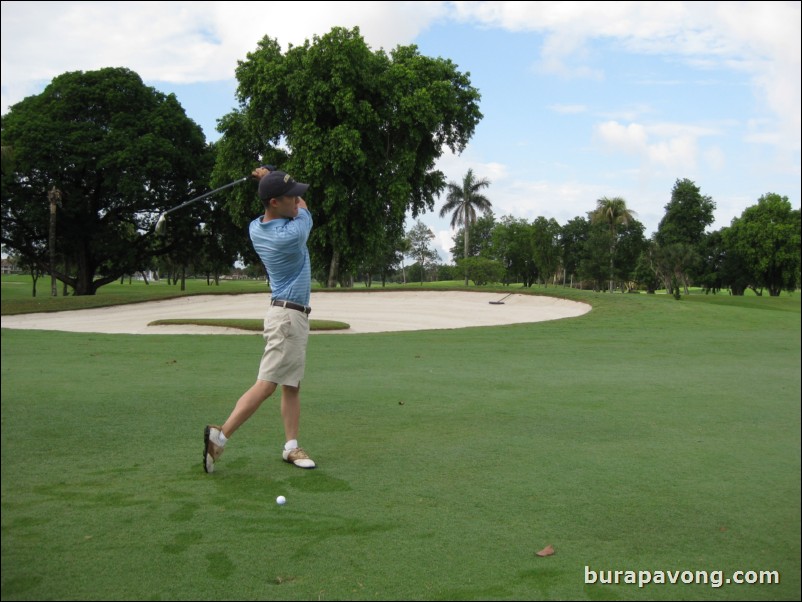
53, 196
64, 282
334, 267
83, 277
466, 252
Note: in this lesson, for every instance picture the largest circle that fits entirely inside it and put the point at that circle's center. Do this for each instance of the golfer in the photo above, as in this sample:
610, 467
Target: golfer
279, 237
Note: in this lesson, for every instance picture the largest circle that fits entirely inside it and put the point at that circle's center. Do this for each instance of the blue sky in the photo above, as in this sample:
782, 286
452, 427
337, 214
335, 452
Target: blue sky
580, 100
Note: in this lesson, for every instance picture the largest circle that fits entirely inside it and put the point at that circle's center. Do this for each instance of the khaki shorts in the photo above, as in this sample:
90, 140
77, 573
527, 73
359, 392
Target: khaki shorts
284, 359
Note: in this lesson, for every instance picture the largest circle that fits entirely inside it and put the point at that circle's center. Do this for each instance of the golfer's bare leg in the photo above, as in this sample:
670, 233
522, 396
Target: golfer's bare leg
290, 411
247, 405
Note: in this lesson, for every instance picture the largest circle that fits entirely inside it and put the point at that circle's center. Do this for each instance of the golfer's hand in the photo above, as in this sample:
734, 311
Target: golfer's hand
260, 172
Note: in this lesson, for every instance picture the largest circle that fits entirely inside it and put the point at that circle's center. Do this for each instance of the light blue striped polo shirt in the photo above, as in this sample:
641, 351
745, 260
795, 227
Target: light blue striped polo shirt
281, 245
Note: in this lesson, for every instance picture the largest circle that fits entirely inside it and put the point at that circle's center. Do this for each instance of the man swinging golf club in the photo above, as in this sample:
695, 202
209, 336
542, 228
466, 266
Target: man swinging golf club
279, 237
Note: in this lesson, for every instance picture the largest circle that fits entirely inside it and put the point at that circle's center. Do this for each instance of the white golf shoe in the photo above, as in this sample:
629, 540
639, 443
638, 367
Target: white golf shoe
212, 449
298, 457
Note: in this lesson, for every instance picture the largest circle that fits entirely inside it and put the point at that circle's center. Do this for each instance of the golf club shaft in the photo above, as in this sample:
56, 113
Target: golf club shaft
203, 196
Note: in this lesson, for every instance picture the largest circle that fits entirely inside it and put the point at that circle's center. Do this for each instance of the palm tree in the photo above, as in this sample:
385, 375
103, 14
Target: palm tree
612, 212
463, 201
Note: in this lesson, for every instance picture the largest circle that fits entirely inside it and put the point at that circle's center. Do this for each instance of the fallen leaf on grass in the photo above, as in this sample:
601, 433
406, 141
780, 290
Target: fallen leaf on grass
547, 551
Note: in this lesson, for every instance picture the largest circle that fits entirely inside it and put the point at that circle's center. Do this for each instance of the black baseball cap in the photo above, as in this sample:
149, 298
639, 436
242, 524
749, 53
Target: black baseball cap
279, 183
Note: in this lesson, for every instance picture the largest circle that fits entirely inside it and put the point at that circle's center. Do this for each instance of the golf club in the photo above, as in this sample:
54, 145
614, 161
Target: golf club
161, 224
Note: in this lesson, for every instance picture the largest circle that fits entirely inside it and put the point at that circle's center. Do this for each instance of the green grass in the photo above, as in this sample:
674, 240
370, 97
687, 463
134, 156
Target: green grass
17, 293
248, 324
648, 434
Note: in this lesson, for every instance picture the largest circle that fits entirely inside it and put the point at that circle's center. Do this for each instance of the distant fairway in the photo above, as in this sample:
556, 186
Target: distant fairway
648, 434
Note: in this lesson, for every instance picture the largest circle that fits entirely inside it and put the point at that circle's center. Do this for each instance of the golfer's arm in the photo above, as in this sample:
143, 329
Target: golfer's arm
302, 204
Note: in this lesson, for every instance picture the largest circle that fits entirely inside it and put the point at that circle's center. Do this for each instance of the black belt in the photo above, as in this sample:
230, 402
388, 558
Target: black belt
291, 305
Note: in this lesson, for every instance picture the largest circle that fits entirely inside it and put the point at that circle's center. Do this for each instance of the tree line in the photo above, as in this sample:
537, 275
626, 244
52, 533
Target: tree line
607, 248
90, 164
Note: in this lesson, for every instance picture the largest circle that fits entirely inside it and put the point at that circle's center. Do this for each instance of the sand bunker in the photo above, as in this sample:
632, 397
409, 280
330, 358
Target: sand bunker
380, 311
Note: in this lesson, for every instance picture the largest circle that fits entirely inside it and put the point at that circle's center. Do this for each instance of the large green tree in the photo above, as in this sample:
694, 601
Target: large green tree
680, 235
119, 153
687, 215
631, 243
722, 266
767, 238
546, 247
594, 266
572, 241
463, 200
513, 240
612, 212
364, 128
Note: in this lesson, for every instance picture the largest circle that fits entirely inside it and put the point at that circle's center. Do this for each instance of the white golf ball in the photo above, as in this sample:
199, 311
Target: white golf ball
280, 500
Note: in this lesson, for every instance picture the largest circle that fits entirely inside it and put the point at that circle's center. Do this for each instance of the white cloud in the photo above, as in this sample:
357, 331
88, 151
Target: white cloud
178, 42
529, 199
630, 138
186, 42
678, 153
444, 241
559, 57
668, 145
759, 38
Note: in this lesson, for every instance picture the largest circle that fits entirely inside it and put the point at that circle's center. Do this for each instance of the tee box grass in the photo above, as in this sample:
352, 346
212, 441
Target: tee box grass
648, 434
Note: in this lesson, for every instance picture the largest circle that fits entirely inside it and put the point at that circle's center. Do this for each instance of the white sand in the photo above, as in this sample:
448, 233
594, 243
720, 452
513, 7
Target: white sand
379, 311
